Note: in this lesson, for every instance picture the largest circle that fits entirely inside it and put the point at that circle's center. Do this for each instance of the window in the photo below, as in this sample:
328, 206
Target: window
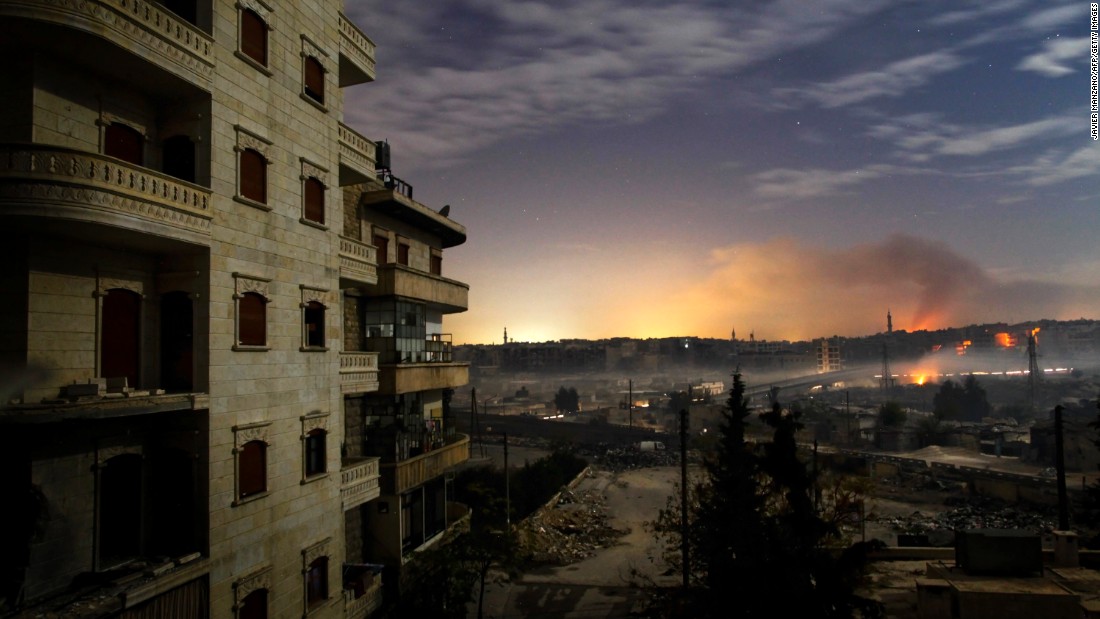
119, 509
185, 9
178, 154
314, 79
120, 335
251, 295
315, 452
254, 36
314, 325
251, 469
314, 191
252, 320
382, 242
437, 263
253, 606
403, 254
253, 175
125, 143
316, 582
251, 594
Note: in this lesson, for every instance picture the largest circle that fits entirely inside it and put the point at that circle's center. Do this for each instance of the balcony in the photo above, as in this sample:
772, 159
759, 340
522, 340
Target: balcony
411, 377
399, 280
358, 482
357, 157
400, 477
53, 182
394, 200
358, 372
356, 54
358, 263
144, 28
364, 597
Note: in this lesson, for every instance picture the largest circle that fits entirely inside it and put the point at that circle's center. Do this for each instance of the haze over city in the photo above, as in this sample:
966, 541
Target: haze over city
645, 169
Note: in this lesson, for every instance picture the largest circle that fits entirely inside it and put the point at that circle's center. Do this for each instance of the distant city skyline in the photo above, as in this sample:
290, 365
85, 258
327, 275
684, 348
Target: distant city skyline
646, 170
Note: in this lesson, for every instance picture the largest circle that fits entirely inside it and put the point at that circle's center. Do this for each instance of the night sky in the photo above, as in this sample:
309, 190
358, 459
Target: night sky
793, 169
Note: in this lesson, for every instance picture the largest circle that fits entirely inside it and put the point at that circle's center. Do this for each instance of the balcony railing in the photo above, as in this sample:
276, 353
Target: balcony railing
357, 155
57, 182
358, 262
400, 477
399, 280
162, 37
356, 54
359, 481
358, 372
396, 184
411, 377
368, 600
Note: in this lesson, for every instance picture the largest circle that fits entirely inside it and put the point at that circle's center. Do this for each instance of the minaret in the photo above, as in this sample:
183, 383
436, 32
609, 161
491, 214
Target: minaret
505, 335
889, 323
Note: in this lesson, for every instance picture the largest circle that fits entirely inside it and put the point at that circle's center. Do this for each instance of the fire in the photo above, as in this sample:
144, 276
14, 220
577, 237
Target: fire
922, 379
1004, 340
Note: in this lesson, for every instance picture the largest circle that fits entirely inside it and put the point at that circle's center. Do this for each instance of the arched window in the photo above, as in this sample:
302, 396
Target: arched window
125, 143
254, 36
313, 317
314, 196
251, 469
253, 606
252, 319
176, 342
315, 452
253, 175
120, 338
317, 582
314, 79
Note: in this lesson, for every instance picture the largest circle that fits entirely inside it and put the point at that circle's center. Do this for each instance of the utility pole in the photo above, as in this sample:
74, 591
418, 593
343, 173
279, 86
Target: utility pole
1060, 467
848, 415
684, 493
630, 404
507, 487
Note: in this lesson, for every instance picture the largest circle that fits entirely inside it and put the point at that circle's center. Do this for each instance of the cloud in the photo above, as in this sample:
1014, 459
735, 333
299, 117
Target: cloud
804, 184
1057, 167
1052, 61
547, 65
923, 137
785, 288
893, 80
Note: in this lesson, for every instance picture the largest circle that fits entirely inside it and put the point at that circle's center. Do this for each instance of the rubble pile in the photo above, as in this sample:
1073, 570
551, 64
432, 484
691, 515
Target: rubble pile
976, 513
620, 458
570, 531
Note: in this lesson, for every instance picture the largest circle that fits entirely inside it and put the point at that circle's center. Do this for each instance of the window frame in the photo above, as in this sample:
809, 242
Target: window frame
263, 15
316, 563
243, 436
250, 141
314, 175
314, 298
314, 431
245, 285
259, 580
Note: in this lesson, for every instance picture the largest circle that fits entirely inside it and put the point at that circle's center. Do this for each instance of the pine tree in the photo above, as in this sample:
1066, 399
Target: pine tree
758, 547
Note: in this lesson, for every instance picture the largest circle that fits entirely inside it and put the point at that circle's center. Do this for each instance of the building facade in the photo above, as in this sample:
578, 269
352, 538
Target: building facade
215, 311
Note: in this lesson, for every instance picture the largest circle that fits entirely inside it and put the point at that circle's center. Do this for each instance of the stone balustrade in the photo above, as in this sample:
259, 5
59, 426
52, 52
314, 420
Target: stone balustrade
358, 372
359, 482
45, 181
356, 54
358, 262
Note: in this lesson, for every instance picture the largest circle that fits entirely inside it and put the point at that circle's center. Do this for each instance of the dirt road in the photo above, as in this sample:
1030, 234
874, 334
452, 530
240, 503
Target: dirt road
606, 584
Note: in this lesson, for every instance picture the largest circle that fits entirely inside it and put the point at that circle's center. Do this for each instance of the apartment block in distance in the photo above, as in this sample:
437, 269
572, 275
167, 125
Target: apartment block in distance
224, 376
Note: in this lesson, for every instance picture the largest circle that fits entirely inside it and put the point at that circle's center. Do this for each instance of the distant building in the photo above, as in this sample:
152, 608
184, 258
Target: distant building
828, 355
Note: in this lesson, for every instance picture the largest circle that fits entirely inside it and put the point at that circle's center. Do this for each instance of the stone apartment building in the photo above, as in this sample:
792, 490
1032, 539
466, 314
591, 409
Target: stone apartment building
225, 380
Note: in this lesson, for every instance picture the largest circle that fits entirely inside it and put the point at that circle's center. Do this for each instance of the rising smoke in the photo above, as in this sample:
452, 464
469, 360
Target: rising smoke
785, 289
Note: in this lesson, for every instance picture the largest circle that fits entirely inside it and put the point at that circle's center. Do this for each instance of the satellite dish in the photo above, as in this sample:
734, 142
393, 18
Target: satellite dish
446, 210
